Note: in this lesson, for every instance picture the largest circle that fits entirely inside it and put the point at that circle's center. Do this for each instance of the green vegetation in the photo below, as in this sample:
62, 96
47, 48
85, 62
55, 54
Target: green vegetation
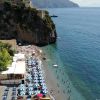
6, 54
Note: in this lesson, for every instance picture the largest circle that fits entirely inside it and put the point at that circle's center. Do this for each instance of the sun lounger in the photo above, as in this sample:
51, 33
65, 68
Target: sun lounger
4, 98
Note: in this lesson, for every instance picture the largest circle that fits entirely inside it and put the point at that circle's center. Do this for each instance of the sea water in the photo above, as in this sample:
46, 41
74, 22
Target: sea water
77, 52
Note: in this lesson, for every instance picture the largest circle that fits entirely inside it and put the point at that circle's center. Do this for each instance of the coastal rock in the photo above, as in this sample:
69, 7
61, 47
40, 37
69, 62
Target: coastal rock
26, 25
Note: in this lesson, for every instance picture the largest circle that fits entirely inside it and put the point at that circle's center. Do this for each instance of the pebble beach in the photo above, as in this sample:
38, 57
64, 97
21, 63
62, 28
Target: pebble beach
53, 86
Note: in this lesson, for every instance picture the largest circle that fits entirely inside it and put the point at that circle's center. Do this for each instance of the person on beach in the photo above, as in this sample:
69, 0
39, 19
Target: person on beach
58, 91
64, 82
64, 91
57, 77
69, 98
57, 85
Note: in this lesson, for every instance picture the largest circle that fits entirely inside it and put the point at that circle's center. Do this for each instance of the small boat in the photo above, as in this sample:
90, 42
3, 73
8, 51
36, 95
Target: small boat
54, 16
55, 65
58, 37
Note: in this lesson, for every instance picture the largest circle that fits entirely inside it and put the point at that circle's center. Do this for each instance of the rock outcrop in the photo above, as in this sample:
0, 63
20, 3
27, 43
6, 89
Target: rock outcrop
26, 25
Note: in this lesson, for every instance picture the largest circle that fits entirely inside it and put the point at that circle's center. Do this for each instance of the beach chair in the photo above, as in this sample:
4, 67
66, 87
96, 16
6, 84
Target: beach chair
7, 89
4, 98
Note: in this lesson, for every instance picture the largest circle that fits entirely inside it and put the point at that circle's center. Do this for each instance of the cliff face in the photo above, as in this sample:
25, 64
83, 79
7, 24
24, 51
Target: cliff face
26, 25
53, 3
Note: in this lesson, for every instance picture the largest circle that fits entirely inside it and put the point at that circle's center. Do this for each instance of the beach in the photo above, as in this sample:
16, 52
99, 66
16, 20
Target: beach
57, 81
54, 89
52, 84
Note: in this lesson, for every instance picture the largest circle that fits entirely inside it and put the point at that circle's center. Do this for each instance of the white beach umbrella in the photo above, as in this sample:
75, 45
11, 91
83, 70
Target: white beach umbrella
36, 84
28, 75
43, 84
35, 75
33, 63
35, 78
34, 68
44, 87
30, 88
36, 92
22, 93
40, 72
30, 92
41, 78
22, 88
41, 75
21, 85
35, 72
45, 91
30, 85
36, 81
42, 81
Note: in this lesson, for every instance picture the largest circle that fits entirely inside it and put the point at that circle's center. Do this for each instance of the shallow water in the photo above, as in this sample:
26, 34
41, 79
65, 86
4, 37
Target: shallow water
77, 52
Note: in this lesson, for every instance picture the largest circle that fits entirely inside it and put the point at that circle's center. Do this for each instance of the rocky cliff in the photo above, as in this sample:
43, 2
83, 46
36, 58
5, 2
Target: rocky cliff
26, 25
53, 3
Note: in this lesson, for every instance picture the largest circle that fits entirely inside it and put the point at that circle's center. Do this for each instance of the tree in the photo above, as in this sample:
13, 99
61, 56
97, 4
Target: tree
8, 47
5, 59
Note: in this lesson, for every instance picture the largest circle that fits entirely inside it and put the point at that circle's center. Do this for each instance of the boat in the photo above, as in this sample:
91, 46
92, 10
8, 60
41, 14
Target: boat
54, 16
55, 65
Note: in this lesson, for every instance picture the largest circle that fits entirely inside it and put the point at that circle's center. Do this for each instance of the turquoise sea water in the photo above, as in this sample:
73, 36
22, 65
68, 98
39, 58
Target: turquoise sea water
77, 52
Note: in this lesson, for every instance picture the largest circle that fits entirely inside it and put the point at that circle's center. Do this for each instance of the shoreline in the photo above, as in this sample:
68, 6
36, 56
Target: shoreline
60, 75
52, 83
54, 90
57, 81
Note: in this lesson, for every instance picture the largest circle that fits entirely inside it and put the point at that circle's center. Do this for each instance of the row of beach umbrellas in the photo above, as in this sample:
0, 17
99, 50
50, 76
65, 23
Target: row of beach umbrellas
35, 79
